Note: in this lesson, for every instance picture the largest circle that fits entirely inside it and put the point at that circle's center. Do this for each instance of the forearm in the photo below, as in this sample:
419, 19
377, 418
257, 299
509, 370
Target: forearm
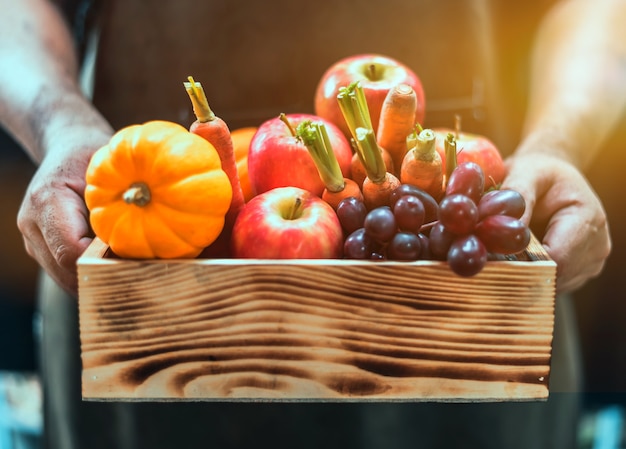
578, 80
39, 91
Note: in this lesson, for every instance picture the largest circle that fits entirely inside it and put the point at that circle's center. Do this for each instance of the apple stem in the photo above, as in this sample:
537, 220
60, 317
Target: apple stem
457, 126
315, 138
295, 209
199, 101
285, 120
450, 153
372, 71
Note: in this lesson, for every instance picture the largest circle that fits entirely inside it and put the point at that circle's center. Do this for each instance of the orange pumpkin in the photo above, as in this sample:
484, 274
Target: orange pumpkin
157, 191
241, 138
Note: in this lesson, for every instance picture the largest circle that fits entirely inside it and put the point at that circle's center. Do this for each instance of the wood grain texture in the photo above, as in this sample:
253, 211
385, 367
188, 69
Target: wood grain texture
330, 330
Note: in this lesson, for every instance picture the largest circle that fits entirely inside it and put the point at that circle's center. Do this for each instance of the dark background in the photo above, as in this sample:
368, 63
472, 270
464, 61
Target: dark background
18, 271
601, 303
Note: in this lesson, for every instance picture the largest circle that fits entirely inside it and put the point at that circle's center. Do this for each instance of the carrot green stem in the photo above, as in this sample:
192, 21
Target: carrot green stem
423, 144
315, 137
199, 101
353, 105
354, 108
450, 152
371, 155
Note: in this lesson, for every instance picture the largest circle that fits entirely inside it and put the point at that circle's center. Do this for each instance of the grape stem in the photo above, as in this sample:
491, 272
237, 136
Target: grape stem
427, 226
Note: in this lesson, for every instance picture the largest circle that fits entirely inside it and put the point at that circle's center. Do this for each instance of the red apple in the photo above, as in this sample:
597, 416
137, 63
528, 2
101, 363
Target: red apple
377, 74
287, 223
474, 148
276, 158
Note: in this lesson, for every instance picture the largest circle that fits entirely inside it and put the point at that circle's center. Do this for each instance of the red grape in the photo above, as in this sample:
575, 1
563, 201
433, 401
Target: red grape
458, 213
404, 246
358, 245
467, 255
351, 212
380, 224
424, 247
430, 204
503, 234
467, 179
440, 240
501, 202
409, 212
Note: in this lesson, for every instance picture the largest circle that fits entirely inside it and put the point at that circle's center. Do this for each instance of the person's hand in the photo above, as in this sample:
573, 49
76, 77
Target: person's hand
53, 217
565, 214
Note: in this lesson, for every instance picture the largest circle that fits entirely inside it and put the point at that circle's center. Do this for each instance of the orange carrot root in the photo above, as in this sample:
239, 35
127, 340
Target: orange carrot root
397, 120
351, 188
376, 194
357, 169
422, 165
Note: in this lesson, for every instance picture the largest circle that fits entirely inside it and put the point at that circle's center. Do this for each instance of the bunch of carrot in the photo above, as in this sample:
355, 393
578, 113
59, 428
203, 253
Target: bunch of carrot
399, 152
379, 182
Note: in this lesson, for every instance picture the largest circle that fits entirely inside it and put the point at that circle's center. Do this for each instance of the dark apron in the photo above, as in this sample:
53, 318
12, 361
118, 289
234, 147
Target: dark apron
256, 60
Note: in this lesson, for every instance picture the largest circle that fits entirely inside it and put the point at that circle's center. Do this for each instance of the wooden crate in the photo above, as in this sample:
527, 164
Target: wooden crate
314, 330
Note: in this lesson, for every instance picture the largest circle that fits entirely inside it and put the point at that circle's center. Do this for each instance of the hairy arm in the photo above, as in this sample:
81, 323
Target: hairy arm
42, 106
578, 96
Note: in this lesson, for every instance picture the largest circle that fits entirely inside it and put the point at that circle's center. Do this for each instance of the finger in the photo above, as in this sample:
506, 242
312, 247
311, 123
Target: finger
578, 247
37, 248
66, 231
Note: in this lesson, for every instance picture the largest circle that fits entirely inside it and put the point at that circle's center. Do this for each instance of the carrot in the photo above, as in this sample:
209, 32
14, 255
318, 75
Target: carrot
422, 165
397, 120
379, 182
216, 131
358, 172
315, 137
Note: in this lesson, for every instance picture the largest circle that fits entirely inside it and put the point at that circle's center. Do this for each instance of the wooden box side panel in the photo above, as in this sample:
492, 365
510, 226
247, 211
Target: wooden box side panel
231, 330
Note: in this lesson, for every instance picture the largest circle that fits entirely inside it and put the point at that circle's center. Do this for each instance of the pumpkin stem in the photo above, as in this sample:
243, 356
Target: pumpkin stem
138, 194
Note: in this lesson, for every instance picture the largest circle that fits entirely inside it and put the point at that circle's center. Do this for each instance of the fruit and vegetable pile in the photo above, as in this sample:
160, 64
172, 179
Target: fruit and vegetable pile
358, 179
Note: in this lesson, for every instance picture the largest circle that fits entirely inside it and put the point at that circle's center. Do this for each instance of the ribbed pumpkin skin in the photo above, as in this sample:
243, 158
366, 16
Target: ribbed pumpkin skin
189, 192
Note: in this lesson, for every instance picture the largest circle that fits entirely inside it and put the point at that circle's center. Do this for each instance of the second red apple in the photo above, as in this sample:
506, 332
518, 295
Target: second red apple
474, 148
377, 74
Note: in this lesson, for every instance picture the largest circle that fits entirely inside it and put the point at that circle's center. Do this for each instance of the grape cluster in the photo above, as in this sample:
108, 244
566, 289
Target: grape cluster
466, 228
